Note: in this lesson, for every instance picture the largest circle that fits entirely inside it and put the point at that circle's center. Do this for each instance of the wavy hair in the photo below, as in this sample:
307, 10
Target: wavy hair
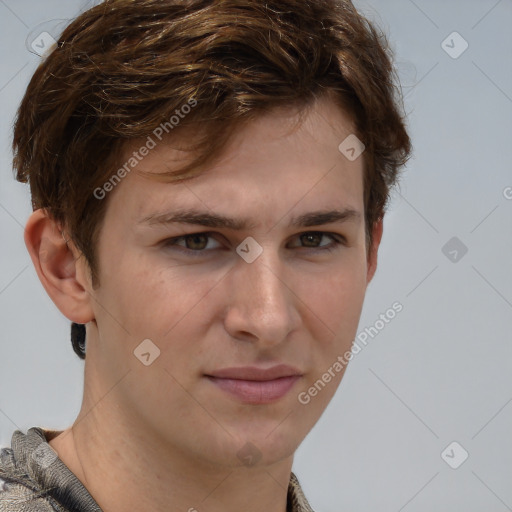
123, 67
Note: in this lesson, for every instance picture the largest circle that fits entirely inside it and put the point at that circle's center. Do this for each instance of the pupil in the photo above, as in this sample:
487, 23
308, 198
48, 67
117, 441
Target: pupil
311, 237
195, 238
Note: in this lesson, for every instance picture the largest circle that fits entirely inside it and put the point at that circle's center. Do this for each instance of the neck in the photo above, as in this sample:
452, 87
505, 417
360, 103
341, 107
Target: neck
125, 466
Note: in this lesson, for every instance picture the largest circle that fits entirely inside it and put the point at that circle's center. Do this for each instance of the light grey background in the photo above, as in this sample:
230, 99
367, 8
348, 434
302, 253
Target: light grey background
441, 370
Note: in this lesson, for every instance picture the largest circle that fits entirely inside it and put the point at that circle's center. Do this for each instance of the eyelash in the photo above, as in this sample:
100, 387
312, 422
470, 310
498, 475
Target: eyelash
337, 240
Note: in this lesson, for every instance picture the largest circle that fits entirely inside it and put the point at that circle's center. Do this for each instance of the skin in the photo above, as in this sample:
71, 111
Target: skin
162, 437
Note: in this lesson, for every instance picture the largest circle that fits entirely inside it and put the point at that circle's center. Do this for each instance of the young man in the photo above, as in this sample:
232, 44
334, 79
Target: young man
209, 180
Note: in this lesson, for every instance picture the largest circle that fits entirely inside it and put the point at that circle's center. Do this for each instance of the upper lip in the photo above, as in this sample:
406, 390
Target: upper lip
255, 373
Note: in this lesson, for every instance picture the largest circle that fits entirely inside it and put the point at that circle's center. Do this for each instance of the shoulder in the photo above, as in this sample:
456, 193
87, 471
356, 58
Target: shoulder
16, 497
297, 502
18, 492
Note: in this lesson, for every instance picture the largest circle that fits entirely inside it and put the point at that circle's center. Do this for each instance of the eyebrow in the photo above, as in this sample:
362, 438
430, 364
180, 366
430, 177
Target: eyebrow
196, 217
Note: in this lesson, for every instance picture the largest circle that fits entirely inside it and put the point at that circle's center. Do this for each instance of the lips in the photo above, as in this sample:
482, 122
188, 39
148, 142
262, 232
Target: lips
255, 373
254, 385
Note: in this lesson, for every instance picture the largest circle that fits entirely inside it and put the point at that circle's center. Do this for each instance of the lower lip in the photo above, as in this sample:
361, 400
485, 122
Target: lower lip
256, 392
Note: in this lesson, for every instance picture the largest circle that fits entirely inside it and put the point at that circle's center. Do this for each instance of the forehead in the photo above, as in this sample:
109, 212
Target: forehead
270, 166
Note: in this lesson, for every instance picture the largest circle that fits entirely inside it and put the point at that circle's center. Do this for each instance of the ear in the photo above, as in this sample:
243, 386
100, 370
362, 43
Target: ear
60, 267
377, 230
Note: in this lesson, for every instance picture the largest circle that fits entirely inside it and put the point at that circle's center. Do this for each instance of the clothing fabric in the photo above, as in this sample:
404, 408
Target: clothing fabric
34, 479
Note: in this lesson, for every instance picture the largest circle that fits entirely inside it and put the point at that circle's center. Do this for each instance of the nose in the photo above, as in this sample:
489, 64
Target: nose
262, 307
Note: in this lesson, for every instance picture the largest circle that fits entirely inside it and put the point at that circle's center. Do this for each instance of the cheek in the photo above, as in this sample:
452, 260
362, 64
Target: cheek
335, 298
331, 316
156, 302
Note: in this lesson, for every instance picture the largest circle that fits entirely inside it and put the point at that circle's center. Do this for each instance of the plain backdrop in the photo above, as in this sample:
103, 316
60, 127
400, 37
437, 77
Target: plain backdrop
440, 371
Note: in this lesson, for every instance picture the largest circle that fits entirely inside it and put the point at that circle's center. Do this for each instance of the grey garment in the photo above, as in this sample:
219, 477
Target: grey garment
34, 479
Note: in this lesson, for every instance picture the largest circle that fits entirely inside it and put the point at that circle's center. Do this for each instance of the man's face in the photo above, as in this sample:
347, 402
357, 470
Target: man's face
208, 307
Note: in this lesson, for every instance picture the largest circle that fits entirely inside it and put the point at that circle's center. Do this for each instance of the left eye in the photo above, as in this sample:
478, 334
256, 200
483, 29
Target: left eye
198, 242
315, 236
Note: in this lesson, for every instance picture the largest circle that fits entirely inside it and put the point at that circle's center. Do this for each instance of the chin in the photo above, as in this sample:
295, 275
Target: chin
252, 447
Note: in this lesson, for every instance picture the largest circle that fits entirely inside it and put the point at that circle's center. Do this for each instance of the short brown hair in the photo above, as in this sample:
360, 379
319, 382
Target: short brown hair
122, 68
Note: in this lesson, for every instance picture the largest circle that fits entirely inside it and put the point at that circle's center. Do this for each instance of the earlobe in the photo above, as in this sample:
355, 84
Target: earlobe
378, 228
59, 267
